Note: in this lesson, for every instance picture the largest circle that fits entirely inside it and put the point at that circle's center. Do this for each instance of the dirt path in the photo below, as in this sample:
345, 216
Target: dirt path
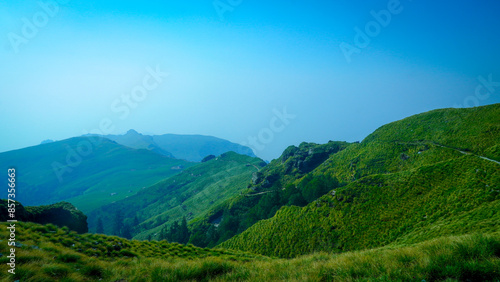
255, 194
443, 146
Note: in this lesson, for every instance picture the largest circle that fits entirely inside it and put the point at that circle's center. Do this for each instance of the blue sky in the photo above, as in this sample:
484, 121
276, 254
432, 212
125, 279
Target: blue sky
65, 68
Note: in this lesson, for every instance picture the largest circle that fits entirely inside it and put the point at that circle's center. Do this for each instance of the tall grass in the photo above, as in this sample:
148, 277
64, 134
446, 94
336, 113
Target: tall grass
458, 258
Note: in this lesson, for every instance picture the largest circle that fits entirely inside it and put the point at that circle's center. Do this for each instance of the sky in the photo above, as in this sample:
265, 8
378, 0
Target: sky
267, 74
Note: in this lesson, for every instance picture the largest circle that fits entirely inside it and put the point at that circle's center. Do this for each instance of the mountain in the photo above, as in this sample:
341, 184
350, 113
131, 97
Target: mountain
430, 175
192, 148
86, 171
189, 194
61, 214
268, 193
135, 140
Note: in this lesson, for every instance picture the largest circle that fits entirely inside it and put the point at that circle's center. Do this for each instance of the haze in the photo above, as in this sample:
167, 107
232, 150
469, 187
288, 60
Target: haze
279, 72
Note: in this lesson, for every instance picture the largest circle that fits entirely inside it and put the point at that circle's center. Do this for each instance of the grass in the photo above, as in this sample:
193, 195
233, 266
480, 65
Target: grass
474, 257
407, 182
189, 194
448, 198
109, 168
420, 141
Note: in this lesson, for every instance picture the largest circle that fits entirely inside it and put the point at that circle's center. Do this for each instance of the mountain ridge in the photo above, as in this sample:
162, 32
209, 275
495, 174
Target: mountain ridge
190, 147
85, 171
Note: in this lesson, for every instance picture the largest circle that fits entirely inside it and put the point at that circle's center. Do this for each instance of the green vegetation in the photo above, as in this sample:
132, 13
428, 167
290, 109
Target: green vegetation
190, 194
455, 197
416, 200
269, 190
61, 214
305, 173
51, 254
176, 232
104, 173
411, 180
475, 130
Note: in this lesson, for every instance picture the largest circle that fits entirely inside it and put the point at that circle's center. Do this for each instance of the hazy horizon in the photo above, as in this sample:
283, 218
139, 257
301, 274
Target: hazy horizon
276, 73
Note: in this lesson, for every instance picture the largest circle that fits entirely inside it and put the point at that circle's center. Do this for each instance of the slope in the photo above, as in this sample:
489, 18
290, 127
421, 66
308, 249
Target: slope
268, 193
46, 253
400, 180
88, 172
449, 198
188, 194
60, 214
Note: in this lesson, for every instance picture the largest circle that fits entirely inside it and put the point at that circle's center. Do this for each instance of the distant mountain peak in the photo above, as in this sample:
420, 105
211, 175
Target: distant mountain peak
132, 132
192, 148
47, 141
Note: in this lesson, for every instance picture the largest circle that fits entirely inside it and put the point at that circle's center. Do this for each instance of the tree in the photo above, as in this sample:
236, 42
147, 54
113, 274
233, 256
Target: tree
212, 236
172, 234
178, 232
207, 158
297, 200
183, 232
125, 232
163, 234
100, 227
199, 239
118, 223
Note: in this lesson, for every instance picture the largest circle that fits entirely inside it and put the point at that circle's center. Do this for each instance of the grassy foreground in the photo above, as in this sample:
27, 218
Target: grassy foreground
47, 253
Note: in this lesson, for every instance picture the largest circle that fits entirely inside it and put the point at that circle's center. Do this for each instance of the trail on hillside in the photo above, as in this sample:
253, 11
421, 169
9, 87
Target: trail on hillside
467, 153
444, 146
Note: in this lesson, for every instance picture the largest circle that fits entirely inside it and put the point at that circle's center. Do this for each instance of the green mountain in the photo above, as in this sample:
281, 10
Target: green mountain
86, 171
61, 214
268, 193
426, 176
189, 194
192, 148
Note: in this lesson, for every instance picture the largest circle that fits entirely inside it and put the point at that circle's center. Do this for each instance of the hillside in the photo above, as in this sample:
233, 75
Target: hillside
189, 195
47, 253
61, 214
426, 176
449, 198
192, 148
87, 172
267, 193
